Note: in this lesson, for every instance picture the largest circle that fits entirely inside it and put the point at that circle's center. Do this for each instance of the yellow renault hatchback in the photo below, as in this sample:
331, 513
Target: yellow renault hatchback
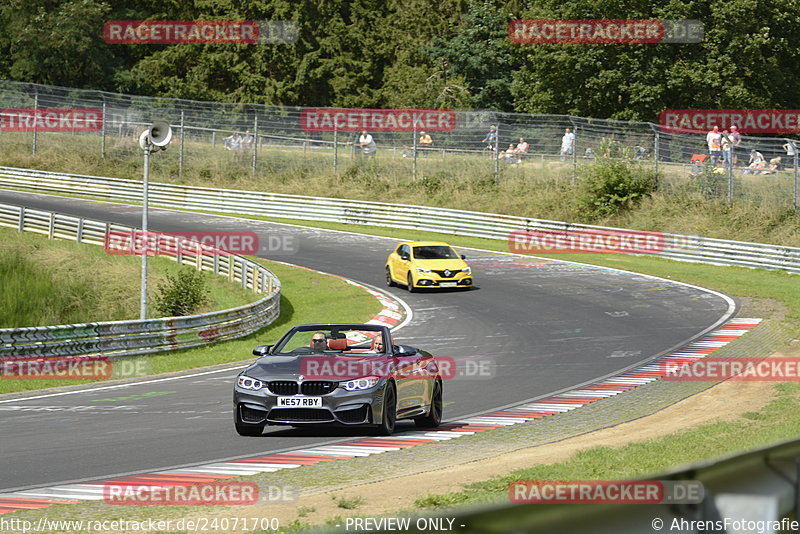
418, 264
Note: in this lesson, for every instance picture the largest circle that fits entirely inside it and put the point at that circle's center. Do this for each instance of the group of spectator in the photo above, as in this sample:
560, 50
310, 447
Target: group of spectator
236, 141
724, 149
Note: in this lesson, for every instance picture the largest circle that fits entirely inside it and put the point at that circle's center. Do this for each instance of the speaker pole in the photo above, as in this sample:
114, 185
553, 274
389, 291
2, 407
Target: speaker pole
145, 239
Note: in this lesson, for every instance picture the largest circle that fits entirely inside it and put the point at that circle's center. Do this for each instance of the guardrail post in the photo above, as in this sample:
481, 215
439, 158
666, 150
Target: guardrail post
231, 268
79, 233
179, 252
180, 156
214, 139
22, 219
216, 263
52, 226
244, 275
198, 258
269, 285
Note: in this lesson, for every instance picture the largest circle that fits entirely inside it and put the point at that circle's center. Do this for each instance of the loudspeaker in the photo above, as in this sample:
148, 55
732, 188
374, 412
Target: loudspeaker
158, 135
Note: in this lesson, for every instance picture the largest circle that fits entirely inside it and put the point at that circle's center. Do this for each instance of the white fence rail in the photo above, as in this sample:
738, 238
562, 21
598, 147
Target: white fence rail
124, 338
448, 221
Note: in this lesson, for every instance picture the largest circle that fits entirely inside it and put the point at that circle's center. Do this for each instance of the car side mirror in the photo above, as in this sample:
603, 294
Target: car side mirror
463, 257
262, 350
404, 257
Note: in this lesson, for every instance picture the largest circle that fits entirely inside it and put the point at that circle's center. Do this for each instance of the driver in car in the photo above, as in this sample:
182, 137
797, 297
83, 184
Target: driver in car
318, 341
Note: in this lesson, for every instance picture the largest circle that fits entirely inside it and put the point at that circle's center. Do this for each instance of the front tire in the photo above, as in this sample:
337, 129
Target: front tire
245, 429
410, 283
389, 416
434, 416
389, 281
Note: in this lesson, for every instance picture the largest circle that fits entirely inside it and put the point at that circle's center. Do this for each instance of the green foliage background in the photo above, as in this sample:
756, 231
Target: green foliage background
417, 53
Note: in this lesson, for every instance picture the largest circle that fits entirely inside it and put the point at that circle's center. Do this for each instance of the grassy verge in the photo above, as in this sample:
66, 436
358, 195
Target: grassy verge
537, 188
48, 282
307, 297
776, 422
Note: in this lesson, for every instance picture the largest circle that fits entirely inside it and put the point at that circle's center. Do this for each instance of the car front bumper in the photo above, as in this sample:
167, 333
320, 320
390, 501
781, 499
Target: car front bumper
338, 407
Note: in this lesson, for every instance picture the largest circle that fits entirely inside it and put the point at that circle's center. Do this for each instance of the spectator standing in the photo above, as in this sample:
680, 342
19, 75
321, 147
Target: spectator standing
567, 144
791, 150
425, 142
491, 139
714, 141
736, 140
725, 144
247, 140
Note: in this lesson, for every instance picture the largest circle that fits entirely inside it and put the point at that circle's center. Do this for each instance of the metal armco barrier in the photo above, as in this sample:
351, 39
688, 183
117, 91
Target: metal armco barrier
124, 338
443, 220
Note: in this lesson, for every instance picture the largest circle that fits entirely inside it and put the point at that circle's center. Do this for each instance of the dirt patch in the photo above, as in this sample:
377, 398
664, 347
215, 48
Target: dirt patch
724, 402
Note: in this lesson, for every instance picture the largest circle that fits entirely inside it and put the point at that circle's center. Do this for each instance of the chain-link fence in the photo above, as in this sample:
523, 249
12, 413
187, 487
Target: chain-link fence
477, 144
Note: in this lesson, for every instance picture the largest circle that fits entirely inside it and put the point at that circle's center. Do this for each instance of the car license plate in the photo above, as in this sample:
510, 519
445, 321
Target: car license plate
447, 284
300, 402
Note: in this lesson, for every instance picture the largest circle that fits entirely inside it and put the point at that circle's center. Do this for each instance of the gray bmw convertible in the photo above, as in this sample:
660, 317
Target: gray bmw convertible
340, 374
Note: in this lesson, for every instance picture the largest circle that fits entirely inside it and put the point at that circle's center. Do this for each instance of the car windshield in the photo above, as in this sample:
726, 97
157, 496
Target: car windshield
434, 252
332, 341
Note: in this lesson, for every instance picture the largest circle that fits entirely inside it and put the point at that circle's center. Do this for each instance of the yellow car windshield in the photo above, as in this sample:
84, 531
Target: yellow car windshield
434, 252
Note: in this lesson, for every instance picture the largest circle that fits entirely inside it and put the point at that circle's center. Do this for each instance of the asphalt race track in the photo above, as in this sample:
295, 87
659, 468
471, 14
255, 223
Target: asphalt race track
546, 325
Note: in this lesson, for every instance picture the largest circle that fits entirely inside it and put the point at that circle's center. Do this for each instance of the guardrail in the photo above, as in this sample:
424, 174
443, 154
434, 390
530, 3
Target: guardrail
124, 338
443, 220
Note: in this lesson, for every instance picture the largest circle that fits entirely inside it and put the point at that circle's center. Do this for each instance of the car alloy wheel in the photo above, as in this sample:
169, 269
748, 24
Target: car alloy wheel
389, 281
434, 416
389, 417
410, 283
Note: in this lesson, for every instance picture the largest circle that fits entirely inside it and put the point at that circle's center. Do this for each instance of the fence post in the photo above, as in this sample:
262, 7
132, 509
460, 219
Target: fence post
22, 218
255, 143
180, 159
335, 150
574, 152
655, 156
213, 139
414, 144
103, 131
795, 172
497, 154
35, 117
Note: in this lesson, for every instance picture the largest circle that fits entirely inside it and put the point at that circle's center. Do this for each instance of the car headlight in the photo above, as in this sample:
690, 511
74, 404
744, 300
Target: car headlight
360, 383
466, 270
245, 382
420, 270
